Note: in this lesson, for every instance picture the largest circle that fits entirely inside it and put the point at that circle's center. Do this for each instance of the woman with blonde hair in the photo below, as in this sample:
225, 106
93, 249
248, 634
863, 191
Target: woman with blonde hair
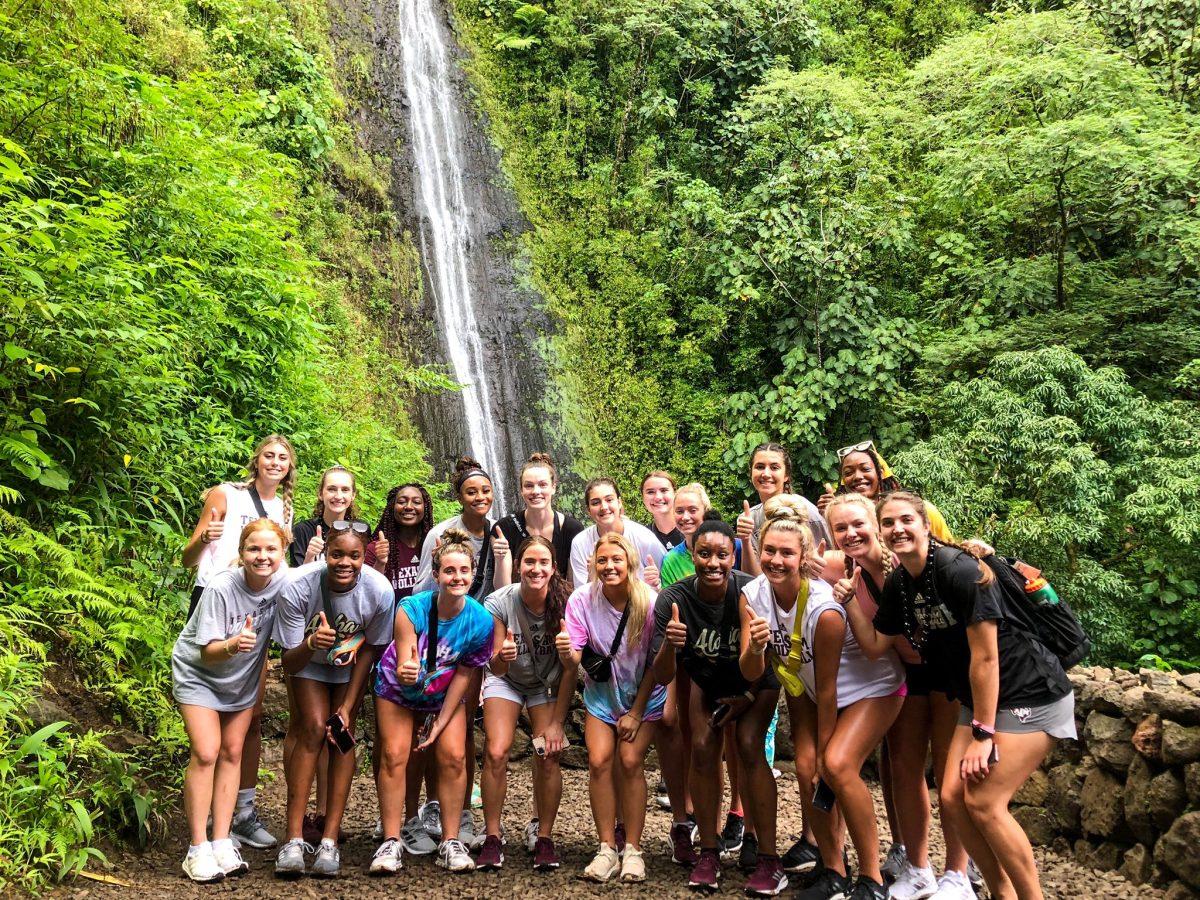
608, 630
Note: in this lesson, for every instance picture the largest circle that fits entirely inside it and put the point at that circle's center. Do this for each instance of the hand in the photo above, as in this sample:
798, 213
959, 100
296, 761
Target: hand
745, 522
650, 573
247, 639
974, 766
737, 704
500, 547
508, 649
978, 548
316, 546
410, 670
845, 588
324, 637
438, 726
382, 549
825, 498
562, 642
815, 564
215, 527
676, 632
628, 725
554, 737
760, 633
342, 713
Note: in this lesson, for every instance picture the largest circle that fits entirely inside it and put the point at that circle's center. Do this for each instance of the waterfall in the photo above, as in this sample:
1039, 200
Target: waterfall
438, 149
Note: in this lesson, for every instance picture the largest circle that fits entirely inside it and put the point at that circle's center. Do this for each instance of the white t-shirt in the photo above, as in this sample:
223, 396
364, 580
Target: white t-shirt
642, 538
425, 579
222, 553
858, 677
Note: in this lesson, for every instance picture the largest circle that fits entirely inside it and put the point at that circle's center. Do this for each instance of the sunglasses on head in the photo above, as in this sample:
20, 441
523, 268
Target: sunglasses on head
345, 525
860, 447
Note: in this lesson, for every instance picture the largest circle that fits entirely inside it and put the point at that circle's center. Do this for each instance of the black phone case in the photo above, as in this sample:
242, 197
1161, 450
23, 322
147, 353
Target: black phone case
342, 738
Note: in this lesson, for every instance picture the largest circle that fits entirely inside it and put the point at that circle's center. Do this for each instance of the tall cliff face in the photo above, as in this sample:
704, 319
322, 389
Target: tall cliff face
415, 114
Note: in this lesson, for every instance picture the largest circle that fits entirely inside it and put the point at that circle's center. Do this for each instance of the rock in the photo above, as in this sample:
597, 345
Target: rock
574, 757
1063, 804
1191, 681
1138, 864
43, 711
1179, 891
1180, 744
1132, 703
1166, 799
1034, 791
1106, 697
1177, 848
1191, 782
1037, 824
122, 740
1147, 737
1105, 856
1175, 705
1108, 740
521, 746
1101, 804
1156, 680
1137, 800
1100, 673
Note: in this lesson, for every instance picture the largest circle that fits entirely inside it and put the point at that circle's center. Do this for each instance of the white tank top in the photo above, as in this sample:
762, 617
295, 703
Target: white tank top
222, 554
858, 677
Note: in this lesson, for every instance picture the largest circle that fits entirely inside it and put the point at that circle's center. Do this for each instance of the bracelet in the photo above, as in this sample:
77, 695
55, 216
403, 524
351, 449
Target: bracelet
308, 643
230, 651
204, 539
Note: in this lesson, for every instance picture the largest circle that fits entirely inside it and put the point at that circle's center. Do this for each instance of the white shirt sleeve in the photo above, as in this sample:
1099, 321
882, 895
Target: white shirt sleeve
581, 551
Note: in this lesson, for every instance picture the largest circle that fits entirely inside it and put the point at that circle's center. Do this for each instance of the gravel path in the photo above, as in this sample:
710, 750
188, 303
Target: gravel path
156, 872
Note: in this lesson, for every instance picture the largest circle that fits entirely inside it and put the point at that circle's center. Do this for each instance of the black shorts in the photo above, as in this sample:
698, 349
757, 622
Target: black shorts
919, 679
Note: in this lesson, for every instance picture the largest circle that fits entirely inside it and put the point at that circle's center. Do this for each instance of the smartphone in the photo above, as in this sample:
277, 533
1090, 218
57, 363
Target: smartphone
720, 716
539, 744
823, 797
342, 738
994, 756
425, 728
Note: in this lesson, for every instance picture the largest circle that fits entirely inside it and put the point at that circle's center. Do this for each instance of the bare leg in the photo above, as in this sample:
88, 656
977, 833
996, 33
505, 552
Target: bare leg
252, 748
547, 774
308, 736
632, 760
341, 769
671, 745
826, 826
395, 727
944, 719
450, 756
706, 771
756, 779
908, 747
203, 727
500, 722
601, 740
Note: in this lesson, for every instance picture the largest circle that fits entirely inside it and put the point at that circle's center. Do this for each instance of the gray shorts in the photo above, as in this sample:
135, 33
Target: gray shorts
1056, 719
497, 686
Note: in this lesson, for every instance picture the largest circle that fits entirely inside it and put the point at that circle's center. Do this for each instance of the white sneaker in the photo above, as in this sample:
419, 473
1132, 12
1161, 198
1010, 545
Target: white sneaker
229, 859
201, 866
453, 857
328, 861
897, 859
604, 865
531, 834
378, 832
416, 839
387, 859
913, 884
954, 886
633, 865
467, 833
431, 818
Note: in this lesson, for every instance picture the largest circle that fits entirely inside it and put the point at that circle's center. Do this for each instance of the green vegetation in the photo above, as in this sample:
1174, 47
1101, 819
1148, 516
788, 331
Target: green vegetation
968, 230
178, 277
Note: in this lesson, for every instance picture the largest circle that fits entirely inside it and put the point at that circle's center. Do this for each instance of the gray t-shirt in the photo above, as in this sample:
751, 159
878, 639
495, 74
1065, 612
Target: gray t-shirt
363, 614
228, 685
816, 524
536, 654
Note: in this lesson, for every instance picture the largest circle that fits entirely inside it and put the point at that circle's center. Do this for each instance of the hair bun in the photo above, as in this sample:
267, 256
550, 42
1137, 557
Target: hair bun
786, 506
540, 458
466, 463
455, 536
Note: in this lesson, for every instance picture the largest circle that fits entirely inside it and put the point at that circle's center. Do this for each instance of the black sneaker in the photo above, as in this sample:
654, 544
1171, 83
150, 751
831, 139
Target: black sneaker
732, 833
866, 889
829, 885
748, 857
801, 857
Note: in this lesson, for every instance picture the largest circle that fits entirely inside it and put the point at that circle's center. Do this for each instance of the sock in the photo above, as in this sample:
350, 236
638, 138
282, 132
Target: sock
197, 849
223, 844
245, 802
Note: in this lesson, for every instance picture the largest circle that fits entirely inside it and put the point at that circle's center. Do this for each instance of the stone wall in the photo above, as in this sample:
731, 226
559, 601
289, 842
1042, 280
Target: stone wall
1127, 795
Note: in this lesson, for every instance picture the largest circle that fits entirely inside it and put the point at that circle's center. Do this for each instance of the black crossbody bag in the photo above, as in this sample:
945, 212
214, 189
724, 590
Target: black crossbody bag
599, 665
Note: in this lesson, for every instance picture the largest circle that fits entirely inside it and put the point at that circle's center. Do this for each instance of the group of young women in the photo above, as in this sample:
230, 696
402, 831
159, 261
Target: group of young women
877, 628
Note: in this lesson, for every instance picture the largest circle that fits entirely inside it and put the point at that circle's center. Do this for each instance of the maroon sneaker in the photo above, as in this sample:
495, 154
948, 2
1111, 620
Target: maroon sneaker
619, 837
545, 855
679, 839
707, 872
768, 879
491, 856
311, 831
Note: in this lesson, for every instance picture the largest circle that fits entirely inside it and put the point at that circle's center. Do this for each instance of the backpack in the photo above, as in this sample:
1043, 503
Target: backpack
1045, 615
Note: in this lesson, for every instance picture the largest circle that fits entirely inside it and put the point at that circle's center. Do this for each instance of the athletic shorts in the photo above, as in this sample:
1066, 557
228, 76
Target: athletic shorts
498, 686
918, 679
1056, 718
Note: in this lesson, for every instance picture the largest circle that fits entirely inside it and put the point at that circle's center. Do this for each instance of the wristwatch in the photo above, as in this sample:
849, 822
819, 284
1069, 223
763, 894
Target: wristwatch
982, 732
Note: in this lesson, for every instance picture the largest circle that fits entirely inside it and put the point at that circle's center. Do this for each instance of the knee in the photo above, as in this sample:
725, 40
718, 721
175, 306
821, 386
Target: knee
951, 796
806, 763
393, 758
310, 732
231, 753
451, 760
751, 748
840, 769
631, 765
497, 754
204, 756
982, 808
705, 755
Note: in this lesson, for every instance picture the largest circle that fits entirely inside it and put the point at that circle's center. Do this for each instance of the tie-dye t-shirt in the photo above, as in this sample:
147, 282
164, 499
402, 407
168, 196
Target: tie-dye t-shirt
591, 620
465, 640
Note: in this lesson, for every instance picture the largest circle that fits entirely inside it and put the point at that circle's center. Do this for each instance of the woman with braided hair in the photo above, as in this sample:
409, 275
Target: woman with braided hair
406, 519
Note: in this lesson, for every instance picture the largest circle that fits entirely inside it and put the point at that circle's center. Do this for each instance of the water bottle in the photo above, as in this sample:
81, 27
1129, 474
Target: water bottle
1040, 592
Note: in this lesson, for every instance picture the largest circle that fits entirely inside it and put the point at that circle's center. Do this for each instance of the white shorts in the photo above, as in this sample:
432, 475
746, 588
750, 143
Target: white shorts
498, 686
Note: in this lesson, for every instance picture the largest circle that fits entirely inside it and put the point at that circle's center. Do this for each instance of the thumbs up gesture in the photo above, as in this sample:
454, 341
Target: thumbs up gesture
410, 670
316, 546
825, 497
500, 548
845, 589
760, 633
323, 638
676, 632
383, 549
815, 564
215, 527
745, 522
650, 574
508, 650
562, 642
247, 637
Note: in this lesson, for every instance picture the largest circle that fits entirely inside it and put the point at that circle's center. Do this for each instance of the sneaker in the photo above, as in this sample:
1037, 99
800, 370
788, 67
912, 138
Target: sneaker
691, 819
768, 879
311, 830
229, 859
913, 884
706, 874
377, 833
633, 865
897, 859
289, 863
467, 833
431, 818
619, 837
453, 856
328, 862
748, 856
679, 840
202, 866
954, 886
801, 857
829, 885
732, 833
604, 865
416, 839
545, 855
663, 802
975, 876
492, 854
388, 859
250, 830
866, 889
531, 834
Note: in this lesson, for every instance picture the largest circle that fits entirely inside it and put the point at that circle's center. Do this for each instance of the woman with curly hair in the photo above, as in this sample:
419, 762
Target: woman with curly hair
406, 519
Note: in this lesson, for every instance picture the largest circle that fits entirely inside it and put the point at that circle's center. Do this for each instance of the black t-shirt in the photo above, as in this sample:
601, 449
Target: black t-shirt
710, 656
672, 538
933, 612
302, 533
566, 527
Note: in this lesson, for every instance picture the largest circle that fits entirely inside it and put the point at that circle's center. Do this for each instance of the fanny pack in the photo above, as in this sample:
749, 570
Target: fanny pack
598, 665
786, 670
344, 652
